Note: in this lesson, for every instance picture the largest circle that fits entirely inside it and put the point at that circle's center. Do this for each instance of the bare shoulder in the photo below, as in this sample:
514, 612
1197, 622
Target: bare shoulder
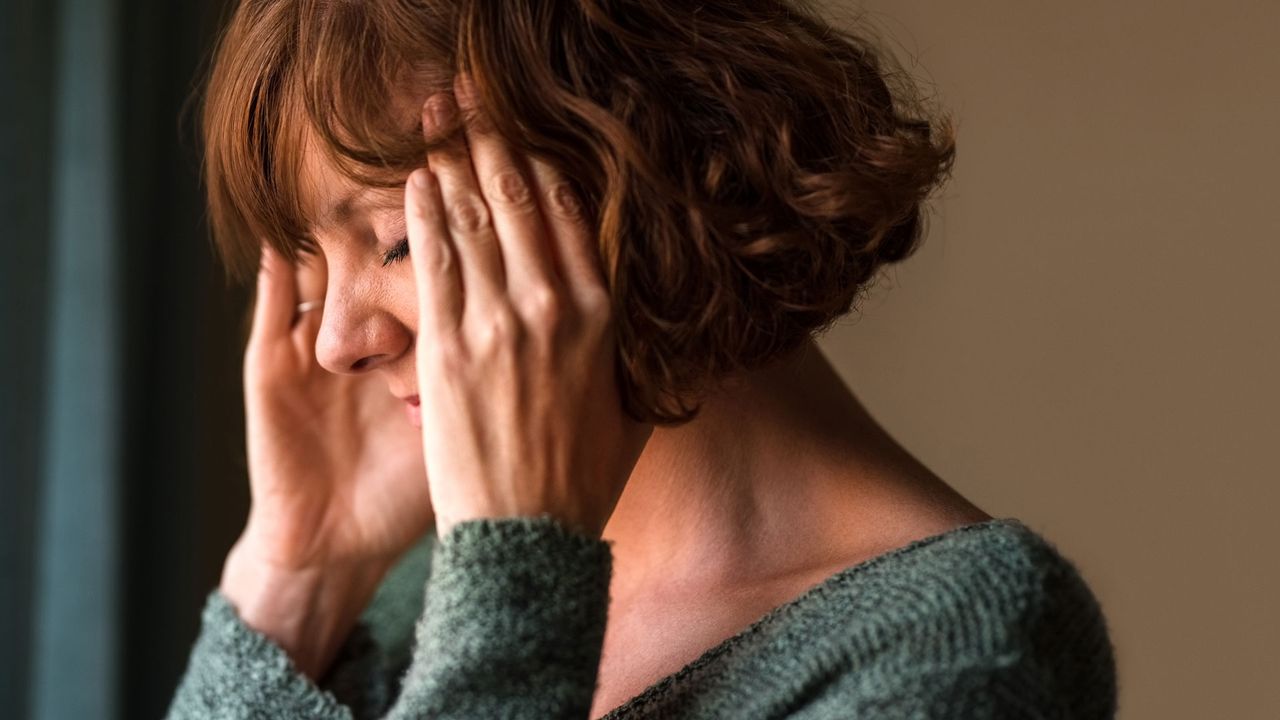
897, 508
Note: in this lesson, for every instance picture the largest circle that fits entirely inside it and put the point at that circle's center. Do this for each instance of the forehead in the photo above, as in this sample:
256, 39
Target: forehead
329, 198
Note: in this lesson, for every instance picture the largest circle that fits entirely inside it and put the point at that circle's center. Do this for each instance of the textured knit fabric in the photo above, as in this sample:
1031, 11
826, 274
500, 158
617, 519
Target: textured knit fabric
984, 621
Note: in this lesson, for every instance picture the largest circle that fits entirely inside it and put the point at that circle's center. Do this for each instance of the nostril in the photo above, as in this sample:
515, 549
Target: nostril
369, 362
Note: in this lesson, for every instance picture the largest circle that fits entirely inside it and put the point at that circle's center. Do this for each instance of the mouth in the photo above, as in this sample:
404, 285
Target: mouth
413, 410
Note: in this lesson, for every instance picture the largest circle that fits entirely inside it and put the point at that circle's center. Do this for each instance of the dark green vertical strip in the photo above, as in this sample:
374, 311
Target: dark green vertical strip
77, 584
26, 56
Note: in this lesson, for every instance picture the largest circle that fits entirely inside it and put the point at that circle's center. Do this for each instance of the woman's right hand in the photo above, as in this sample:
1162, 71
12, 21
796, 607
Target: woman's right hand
336, 474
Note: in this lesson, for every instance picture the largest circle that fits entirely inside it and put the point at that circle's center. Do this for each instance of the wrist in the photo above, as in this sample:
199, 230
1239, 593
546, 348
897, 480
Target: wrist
308, 611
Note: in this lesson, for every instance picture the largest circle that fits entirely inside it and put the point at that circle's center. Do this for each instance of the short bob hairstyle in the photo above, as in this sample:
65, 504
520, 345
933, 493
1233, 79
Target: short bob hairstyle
747, 167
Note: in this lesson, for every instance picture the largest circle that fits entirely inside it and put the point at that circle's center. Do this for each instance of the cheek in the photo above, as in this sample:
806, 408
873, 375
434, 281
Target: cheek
402, 296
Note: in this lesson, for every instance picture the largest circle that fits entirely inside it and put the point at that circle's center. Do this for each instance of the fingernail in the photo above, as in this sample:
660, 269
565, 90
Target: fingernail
439, 112
419, 178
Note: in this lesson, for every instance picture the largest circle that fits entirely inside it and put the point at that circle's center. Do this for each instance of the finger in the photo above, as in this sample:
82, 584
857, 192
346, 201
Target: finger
274, 305
311, 278
431, 251
466, 215
507, 189
573, 239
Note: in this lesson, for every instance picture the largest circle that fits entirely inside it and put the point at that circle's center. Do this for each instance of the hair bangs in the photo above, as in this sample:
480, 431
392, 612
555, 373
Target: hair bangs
292, 78
243, 125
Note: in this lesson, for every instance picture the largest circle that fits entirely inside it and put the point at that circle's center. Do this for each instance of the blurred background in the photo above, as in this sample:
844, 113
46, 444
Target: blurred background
1085, 341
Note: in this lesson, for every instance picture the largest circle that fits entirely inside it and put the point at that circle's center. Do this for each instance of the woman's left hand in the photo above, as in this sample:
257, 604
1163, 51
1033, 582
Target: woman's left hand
521, 411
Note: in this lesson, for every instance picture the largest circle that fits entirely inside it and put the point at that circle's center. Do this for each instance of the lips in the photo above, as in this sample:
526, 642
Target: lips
413, 410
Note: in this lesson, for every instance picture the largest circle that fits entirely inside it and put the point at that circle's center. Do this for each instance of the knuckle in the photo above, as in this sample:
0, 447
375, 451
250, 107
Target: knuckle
448, 356
441, 350
596, 310
468, 214
564, 202
596, 303
439, 259
544, 307
509, 187
499, 329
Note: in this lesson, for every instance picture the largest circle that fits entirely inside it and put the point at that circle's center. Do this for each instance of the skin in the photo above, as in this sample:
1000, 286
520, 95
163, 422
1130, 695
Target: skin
499, 323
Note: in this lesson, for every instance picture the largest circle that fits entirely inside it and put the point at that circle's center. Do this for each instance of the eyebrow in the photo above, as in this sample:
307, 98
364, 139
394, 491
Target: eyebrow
349, 204
340, 210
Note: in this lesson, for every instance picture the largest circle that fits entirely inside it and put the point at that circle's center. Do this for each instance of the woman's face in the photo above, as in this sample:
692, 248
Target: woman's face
370, 302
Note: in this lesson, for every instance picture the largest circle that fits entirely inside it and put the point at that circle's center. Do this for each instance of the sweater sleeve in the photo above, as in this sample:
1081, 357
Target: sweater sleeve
236, 672
514, 623
513, 627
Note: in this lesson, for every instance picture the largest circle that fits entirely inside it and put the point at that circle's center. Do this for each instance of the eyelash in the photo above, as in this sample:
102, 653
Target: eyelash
397, 253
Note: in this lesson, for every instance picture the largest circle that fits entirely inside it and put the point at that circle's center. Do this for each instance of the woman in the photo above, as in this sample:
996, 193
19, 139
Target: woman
641, 489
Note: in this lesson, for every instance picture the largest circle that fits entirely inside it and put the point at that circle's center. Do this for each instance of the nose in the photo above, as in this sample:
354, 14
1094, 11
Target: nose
357, 334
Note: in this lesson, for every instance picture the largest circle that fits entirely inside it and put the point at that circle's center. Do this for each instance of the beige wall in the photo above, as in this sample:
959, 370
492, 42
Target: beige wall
1087, 339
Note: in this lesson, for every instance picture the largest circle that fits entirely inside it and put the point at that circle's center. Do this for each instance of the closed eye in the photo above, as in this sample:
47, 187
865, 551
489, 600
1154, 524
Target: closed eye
397, 253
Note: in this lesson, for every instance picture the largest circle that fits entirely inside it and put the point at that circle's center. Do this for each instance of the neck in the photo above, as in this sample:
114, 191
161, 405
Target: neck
779, 459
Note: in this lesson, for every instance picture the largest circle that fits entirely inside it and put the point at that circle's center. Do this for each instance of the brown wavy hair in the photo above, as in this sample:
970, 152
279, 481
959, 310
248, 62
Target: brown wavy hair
748, 167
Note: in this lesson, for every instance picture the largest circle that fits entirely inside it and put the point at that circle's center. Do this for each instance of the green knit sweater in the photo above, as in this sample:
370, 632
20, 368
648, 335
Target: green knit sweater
984, 621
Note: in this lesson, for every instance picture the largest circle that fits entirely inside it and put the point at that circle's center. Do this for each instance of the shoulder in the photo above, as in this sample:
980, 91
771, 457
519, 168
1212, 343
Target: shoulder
984, 611
996, 576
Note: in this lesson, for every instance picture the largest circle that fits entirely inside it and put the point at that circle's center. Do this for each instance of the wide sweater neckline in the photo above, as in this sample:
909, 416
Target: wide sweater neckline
986, 620
780, 613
